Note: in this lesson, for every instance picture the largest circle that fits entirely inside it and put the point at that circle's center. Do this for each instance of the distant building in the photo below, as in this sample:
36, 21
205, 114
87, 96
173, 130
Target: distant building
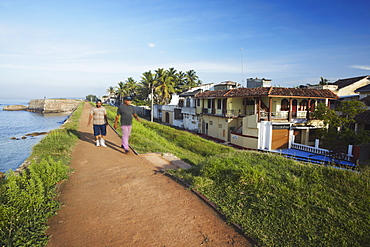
226, 85
181, 110
255, 82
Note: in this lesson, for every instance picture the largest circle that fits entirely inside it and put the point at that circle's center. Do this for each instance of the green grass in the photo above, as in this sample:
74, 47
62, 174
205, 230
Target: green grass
276, 201
28, 199
279, 202
148, 137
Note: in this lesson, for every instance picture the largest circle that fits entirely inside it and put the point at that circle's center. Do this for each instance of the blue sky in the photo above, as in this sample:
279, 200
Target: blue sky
74, 48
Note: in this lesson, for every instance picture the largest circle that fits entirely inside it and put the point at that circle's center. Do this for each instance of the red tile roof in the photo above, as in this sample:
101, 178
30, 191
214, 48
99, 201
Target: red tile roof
269, 92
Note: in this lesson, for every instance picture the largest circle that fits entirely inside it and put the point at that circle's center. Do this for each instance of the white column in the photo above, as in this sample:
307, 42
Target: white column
317, 142
350, 148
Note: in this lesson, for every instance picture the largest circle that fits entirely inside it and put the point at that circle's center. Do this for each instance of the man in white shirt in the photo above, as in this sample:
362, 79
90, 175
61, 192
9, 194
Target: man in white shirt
99, 116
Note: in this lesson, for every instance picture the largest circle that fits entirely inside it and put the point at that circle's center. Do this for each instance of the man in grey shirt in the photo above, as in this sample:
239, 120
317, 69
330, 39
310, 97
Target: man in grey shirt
126, 111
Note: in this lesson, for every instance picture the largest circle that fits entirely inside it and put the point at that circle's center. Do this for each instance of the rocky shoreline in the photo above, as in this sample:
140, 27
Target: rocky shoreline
30, 134
27, 162
15, 108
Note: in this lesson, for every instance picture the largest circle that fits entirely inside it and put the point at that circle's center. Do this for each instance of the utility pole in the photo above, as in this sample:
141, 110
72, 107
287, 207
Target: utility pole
152, 111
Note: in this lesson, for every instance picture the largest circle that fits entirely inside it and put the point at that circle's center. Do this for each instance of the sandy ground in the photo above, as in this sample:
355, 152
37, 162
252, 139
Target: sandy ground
117, 199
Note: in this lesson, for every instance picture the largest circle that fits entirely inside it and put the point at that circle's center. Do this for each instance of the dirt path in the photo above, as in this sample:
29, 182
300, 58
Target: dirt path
117, 199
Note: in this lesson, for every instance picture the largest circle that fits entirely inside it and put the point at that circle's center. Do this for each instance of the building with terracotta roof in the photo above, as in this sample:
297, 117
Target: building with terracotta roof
261, 118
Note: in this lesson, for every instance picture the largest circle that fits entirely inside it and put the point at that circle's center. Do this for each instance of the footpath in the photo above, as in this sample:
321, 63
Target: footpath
118, 199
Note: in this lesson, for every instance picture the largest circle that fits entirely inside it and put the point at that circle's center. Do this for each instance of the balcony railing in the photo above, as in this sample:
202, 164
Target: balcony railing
337, 155
283, 114
227, 113
243, 113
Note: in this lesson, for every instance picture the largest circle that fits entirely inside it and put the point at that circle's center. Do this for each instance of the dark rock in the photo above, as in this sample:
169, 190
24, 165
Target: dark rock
37, 133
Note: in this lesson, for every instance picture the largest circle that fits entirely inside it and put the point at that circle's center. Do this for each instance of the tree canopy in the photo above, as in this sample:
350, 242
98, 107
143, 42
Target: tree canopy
163, 83
339, 131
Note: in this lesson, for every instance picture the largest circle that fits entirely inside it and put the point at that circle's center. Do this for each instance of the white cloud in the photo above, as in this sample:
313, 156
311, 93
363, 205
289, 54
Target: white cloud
364, 67
151, 45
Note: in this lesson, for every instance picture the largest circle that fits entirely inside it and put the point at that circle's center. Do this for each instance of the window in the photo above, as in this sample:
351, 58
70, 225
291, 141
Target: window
188, 102
303, 105
219, 103
284, 105
178, 114
198, 102
312, 105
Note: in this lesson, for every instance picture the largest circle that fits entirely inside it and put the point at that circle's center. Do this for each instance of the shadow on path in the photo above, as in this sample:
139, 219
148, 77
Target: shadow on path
89, 138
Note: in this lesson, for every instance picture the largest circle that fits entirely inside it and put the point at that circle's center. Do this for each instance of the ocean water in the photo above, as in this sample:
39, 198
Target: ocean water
18, 124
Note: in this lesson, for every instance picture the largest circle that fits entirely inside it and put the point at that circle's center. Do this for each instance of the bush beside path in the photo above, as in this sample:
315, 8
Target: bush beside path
117, 199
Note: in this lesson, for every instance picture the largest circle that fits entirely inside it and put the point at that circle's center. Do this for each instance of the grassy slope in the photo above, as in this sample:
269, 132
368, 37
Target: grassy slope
27, 200
277, 201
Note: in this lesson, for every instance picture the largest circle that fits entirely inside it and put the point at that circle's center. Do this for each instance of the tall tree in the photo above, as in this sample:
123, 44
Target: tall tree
147, 85
121, 92
131, 86
165, 88
111, 90
160, 75
180, 81
192, 80
339, 132
323, 81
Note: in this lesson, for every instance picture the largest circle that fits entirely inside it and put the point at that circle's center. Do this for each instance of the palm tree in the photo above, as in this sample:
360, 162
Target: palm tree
165, 84
111, 90
323, 81
147, 88
121, 92
131, 86
192, 80
172, 72
147, 84
111, 93
180, 81
165, 88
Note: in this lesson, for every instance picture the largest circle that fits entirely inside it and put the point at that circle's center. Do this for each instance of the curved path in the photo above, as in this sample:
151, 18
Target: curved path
117, 199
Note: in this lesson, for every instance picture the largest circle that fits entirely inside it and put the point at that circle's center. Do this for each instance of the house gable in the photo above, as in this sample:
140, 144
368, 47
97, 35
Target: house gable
350, 85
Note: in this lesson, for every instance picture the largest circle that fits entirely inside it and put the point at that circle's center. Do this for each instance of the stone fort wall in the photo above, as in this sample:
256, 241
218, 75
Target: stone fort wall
52, 105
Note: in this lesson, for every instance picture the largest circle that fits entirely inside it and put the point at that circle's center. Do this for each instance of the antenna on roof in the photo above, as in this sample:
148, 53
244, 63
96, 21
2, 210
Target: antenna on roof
242, 59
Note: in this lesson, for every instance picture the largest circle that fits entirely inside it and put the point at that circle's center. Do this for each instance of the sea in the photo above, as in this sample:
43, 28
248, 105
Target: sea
13, 152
